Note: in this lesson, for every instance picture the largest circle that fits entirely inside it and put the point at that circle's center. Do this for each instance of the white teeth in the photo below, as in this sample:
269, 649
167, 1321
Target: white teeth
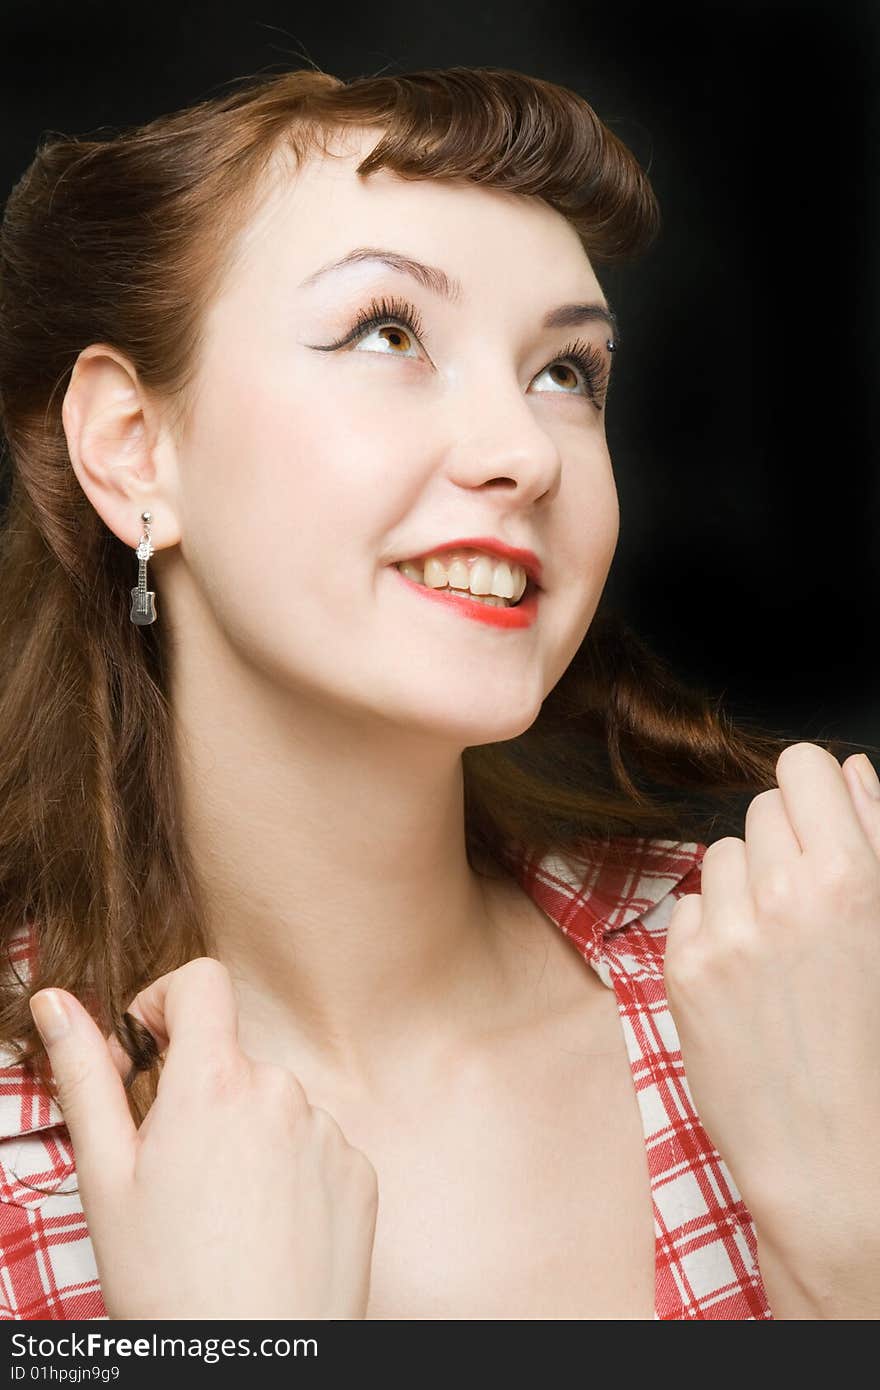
482, 577
457, 576
491, 599
436, 574
480, 574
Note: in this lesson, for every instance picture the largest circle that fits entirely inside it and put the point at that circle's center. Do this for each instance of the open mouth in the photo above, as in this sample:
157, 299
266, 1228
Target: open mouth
413, 572
492, 610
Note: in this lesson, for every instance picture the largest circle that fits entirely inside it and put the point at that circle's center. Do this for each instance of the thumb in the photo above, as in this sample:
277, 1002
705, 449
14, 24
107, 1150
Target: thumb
90, 1090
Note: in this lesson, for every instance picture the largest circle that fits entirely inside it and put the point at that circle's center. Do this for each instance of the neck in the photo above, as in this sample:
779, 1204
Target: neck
331, 854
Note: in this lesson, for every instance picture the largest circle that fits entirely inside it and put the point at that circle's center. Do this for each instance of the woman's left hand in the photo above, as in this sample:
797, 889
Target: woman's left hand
772, 974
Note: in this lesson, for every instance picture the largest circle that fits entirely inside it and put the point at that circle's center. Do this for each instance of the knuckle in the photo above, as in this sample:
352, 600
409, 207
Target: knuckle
773, 892
857, 891
222, 1075
277, 1084
838, 874
358, 1174
365, 1172
326, 1124
735, 951
864, 903
207, 967
683, 969
684, 903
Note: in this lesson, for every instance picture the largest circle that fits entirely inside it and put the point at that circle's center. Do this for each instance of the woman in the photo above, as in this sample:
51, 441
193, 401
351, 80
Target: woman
293, 800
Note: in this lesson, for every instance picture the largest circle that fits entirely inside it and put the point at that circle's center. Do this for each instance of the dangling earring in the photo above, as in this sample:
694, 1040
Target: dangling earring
143, 600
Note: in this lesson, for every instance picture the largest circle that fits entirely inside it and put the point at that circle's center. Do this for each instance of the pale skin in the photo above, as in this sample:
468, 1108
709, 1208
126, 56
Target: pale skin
451, 1030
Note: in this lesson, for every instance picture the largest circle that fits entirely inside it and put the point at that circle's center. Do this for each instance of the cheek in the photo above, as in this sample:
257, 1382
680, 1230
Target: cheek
288, 481
586, 550
589, 527
601, 530
288, 506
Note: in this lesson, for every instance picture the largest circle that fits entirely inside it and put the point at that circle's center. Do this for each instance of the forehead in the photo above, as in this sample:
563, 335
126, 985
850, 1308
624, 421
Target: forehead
480, 235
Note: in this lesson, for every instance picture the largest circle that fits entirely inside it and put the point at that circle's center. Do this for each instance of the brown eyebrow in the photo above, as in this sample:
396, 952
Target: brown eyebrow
432, 278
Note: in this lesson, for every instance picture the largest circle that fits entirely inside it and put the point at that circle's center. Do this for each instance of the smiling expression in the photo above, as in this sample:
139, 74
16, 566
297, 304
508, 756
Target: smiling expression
347, 418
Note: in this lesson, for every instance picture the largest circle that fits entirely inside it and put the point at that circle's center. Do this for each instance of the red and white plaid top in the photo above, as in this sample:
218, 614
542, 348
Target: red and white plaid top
706, 1247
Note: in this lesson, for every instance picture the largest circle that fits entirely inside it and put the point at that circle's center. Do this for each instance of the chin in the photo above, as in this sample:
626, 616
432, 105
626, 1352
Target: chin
497, 728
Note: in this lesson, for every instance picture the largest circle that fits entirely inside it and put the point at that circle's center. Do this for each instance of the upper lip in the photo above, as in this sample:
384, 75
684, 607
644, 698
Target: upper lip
527, 558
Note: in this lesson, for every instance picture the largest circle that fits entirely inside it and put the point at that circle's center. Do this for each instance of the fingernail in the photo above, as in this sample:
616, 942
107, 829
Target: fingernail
50, 1015
869, 778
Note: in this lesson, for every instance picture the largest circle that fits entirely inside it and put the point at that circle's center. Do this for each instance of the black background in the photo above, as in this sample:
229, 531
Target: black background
742, 416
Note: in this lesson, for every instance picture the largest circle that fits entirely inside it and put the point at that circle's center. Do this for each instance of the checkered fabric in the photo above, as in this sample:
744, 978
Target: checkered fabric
706, 1247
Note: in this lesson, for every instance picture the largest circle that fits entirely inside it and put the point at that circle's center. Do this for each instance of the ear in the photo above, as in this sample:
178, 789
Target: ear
125, 460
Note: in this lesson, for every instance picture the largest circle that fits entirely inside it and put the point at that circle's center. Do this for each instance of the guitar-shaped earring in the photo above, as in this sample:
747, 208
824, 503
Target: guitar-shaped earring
143, 600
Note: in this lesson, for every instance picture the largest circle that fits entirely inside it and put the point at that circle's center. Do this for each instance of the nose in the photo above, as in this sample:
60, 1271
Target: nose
502, 445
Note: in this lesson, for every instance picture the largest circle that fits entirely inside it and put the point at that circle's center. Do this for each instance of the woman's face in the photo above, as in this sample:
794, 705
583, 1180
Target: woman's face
306, 472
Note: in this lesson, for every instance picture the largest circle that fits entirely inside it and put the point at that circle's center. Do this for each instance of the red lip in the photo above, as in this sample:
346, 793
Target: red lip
527, 558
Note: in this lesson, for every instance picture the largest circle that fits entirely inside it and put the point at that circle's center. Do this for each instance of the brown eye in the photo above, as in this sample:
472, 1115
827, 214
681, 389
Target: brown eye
397, 338
581, 362
396, 321
562, 369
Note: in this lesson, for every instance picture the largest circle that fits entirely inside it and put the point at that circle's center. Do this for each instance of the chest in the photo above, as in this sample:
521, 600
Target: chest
525, 1193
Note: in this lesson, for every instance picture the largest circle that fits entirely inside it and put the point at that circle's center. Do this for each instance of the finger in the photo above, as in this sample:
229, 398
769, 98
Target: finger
140, 1053
150, 1006
191, 1012
90, 1092
684, 923
818, 803
680, 953
771, 844
860, 775
121, 1059
727, 899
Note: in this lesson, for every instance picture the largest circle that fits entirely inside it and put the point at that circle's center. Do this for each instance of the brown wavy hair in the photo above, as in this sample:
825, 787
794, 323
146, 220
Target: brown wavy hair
124, 240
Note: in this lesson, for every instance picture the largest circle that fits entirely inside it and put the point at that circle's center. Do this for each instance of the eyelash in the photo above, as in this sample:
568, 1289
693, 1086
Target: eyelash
379, 313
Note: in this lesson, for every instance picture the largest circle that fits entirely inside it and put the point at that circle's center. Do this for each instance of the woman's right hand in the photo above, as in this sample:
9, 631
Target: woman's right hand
235, 1198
